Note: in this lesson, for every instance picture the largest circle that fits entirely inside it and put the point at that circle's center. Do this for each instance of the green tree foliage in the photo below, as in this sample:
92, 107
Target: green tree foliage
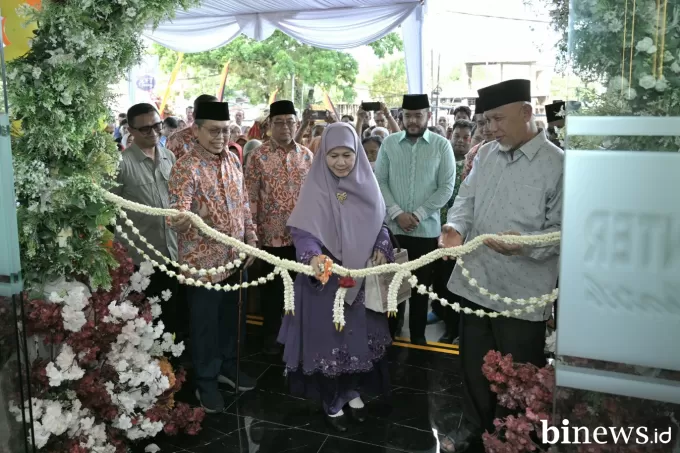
389, 83
260, 68
387, 45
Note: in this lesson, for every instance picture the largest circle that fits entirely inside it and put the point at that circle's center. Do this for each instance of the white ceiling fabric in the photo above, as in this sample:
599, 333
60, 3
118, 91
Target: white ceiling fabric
328, 24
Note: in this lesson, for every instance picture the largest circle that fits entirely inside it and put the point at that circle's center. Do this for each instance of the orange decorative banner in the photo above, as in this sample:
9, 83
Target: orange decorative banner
329, 104
5, 39
173, 76
15, 34
223, 81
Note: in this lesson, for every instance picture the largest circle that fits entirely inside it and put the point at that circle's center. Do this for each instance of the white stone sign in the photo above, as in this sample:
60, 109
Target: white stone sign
620, 260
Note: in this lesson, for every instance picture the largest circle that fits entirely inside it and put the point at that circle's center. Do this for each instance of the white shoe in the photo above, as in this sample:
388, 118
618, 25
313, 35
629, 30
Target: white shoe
245, 383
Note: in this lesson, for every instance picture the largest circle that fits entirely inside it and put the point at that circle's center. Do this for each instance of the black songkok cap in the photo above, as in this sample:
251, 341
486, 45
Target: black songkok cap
504, 93
282, 108
217, 111
479, 106
415, 102
556, 111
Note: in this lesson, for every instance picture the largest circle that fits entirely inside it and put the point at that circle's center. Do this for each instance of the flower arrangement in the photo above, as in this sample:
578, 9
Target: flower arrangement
627, 50
109, 384
531, 391
59, 91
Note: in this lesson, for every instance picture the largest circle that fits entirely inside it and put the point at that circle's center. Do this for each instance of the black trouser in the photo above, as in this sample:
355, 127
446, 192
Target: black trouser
172, 314
525, 340
442, 274
418, 303
214, 331
271, 293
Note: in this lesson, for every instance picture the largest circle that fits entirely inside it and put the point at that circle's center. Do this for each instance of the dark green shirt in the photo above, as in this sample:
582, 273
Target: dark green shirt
145, 181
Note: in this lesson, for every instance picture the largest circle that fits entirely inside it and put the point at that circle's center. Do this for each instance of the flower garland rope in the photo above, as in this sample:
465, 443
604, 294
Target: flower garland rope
401, 271
201, 272
454, 252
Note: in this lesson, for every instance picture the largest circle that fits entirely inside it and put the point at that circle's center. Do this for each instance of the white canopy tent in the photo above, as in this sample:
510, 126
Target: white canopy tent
328, 24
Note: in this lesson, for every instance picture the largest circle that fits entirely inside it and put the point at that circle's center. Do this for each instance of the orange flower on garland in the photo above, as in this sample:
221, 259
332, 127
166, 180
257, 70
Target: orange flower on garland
327, 264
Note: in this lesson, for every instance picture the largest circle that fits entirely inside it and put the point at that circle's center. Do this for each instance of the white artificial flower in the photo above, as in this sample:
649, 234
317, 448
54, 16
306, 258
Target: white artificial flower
138, 282
152, 448
617, 83
123, 422
66, 98
551, 341
73, 319
146, 268
55, 376
675, 67
661, 84
647, 81
629, 94
646, 45
166, 295
177, 349
668, 56
63, 236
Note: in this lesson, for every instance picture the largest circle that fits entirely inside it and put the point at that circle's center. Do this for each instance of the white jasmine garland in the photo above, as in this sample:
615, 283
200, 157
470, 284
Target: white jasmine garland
400, 271
339, 308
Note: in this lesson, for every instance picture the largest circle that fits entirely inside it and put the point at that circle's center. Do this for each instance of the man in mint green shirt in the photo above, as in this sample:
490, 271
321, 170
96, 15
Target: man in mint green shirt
416, 172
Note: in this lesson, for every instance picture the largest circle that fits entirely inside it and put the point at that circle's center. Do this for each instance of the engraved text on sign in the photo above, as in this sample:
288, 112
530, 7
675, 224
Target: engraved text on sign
620, 263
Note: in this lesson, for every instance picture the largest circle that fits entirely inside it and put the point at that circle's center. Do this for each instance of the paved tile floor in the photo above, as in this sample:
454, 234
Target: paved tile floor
425, 404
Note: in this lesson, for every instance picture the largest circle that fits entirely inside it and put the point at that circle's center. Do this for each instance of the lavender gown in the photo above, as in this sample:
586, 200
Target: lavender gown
321, 362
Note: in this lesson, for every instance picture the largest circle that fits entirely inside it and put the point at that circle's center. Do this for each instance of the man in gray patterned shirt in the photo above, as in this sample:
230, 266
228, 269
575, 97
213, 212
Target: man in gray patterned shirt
515, 187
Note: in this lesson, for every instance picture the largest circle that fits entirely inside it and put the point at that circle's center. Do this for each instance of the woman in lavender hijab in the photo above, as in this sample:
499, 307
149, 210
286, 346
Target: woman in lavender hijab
339, 213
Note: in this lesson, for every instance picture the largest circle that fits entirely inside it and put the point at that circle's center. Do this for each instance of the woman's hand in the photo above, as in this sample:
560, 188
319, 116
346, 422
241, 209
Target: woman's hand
318, 264
378, 258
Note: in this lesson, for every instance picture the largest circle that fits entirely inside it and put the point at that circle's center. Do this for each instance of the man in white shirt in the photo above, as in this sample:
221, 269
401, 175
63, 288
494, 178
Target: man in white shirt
515, 188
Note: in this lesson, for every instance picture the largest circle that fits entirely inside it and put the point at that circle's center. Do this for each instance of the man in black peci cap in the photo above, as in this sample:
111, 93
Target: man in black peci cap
416, 172
514, 188
208, 181
556, 113
275, 175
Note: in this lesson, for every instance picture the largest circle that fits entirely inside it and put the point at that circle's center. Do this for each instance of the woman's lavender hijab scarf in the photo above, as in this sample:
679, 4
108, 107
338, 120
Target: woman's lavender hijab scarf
349, 229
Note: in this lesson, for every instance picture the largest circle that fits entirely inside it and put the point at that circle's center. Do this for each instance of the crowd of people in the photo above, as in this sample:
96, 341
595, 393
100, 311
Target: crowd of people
348, 191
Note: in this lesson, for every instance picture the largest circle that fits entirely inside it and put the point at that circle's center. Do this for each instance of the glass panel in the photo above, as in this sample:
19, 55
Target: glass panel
618, 310
14, 388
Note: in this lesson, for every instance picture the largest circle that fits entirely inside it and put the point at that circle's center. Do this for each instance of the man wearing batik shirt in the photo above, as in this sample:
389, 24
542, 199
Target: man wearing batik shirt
275, 175
462, 135
182, 141
486, 135
208, 181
